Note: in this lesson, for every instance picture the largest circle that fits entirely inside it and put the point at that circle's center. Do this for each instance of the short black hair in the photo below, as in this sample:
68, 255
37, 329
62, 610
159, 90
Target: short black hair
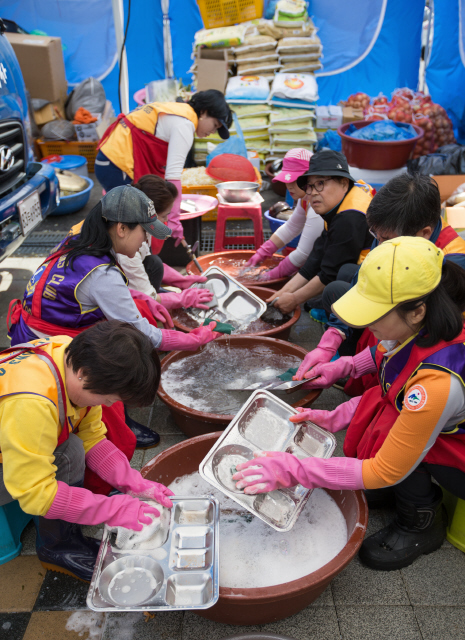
405, 205
118, 359
214, 103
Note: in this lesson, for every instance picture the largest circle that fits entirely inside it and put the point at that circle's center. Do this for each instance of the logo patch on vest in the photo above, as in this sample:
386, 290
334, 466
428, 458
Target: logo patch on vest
416, 398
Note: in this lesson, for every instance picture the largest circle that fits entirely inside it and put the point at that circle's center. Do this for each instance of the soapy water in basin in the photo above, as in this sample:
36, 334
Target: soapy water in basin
237, 268
253, 555
206, 380
257, 326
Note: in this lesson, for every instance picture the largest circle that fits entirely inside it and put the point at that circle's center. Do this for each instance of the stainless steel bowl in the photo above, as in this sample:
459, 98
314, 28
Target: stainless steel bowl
237, 191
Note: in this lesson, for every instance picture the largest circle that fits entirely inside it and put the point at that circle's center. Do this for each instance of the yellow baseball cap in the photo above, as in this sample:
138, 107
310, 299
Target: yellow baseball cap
399, 270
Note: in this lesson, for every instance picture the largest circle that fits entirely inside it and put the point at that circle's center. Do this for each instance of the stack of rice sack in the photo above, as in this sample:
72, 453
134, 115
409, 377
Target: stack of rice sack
290, 128
257, 56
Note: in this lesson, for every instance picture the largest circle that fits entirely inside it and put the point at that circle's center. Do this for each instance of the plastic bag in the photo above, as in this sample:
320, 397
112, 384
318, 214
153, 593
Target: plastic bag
58, 130
89, 94
382, 130
331, 140
235, 144
247, 88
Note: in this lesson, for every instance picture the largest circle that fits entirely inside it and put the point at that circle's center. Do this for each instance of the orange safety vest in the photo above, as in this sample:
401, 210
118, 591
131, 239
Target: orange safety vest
118, 146
358, 198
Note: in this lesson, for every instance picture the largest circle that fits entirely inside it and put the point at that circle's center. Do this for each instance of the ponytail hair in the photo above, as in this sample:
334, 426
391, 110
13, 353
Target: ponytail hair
444, 307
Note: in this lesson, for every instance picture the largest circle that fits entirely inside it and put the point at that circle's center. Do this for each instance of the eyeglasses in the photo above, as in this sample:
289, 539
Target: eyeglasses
319, 185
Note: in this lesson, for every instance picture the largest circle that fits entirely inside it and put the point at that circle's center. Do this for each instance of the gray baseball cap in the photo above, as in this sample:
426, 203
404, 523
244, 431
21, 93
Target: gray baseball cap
128, 204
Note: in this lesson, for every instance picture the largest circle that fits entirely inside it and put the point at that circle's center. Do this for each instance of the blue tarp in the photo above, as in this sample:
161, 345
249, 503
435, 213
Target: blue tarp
445, 71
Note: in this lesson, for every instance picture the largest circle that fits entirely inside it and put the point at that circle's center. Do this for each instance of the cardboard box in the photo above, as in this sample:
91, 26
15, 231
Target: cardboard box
328, 117
349, 114
212, 70
42, 65
448, 184
94, 131
51, 111
455, 216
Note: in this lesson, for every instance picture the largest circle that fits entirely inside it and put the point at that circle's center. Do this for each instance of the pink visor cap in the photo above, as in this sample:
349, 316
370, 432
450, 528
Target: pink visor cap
295, 164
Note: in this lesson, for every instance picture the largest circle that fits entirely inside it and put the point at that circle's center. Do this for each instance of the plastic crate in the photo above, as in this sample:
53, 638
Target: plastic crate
61, 148
211, 190
222, 13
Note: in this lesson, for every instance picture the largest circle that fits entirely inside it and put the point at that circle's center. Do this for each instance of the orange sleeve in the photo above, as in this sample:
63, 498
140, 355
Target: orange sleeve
413, 433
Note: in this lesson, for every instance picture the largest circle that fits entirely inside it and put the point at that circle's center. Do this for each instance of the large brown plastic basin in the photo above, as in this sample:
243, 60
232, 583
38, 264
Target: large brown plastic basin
205, 261
282, 332
194, 423
260, 606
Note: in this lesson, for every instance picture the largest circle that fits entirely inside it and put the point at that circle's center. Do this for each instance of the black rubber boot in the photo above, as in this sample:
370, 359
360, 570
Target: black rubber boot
417, 530
378, 498
62, 547
145, 437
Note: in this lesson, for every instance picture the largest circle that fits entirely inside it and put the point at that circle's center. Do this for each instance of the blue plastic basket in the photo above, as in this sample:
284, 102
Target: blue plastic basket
12, 522
71, 204
274, 226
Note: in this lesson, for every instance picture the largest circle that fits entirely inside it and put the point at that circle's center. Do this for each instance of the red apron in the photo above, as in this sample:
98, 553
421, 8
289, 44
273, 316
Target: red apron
377, 413
149, 154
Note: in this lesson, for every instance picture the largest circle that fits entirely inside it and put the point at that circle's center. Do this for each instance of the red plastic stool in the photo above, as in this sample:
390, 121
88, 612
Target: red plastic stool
226, 212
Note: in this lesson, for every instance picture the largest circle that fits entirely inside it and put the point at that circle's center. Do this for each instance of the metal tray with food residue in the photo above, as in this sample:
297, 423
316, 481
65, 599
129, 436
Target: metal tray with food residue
176, 569
232, 302
263, 424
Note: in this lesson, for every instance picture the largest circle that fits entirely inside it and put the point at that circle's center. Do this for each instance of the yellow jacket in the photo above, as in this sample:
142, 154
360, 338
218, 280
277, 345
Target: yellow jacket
118, 146
30, 425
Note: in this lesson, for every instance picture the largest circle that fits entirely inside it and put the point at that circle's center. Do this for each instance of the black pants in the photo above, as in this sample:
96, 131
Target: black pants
333, 292
418, 487
154, 268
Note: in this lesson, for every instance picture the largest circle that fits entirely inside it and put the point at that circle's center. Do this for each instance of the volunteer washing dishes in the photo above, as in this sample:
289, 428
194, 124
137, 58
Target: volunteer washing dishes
81, 284
303, 221
408, 429
342, 203
156, 139
51, 429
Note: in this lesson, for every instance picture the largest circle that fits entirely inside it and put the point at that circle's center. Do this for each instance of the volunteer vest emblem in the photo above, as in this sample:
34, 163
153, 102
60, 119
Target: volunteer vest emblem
416, 398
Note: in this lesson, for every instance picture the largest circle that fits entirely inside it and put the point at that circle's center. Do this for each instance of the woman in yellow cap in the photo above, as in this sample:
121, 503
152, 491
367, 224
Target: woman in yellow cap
408, 429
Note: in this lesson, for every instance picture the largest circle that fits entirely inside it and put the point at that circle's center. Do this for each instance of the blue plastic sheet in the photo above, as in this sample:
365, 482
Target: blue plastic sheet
383, 130
331, 140
234, 145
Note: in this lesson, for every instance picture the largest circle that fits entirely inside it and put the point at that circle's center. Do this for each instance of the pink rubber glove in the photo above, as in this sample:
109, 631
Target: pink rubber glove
177, 340
110, 464
279, 470
267, 249
158, 311
173, 278
174, 220
284, 269
332, 421
186, 299
75, 504
330, 372
326, 349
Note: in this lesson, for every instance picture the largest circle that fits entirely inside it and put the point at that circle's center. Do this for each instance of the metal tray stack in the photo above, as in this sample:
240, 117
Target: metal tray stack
232, 302
263, 424
181, 572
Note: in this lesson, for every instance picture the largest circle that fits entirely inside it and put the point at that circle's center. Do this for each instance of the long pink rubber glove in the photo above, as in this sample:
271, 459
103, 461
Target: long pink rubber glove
284, 269
279, 470
174, 220
267, 249
177, 340
330, 372
326, 349
75, 504
186, 299
332, 421
173, 278
158, 311
110, 464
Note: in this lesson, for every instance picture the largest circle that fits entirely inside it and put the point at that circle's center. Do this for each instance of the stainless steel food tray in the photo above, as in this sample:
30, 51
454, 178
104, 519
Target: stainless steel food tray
181, 573
232, 302
263, 424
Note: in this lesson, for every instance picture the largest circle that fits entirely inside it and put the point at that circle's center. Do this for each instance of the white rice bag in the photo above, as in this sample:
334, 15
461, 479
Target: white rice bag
295, 86
247, 88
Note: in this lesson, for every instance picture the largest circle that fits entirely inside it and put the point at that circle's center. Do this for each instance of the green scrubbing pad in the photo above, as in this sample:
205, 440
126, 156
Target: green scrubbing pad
221, 327
288, 375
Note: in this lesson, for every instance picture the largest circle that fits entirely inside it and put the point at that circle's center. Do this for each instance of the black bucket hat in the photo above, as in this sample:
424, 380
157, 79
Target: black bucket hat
326, 163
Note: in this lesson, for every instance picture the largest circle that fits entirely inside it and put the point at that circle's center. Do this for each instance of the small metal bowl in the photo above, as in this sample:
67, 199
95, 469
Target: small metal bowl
237, 191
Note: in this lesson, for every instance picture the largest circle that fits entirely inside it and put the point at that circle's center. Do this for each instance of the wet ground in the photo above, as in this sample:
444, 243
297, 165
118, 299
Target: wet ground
425, 601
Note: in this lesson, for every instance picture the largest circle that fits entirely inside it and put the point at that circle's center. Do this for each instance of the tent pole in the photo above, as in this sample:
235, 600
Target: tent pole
118, 18
167, 46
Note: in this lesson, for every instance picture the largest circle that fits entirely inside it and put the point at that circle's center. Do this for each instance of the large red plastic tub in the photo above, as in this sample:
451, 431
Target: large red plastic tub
376, 154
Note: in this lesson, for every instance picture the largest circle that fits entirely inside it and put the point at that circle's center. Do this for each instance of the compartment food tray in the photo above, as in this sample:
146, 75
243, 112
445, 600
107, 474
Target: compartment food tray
263, 424
232, 302
181, 572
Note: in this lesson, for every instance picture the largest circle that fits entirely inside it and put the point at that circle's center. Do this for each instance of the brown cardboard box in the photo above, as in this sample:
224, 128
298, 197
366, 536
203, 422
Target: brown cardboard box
455, 216
448, 184
51, 111
212, 69
42, 65
349, 114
